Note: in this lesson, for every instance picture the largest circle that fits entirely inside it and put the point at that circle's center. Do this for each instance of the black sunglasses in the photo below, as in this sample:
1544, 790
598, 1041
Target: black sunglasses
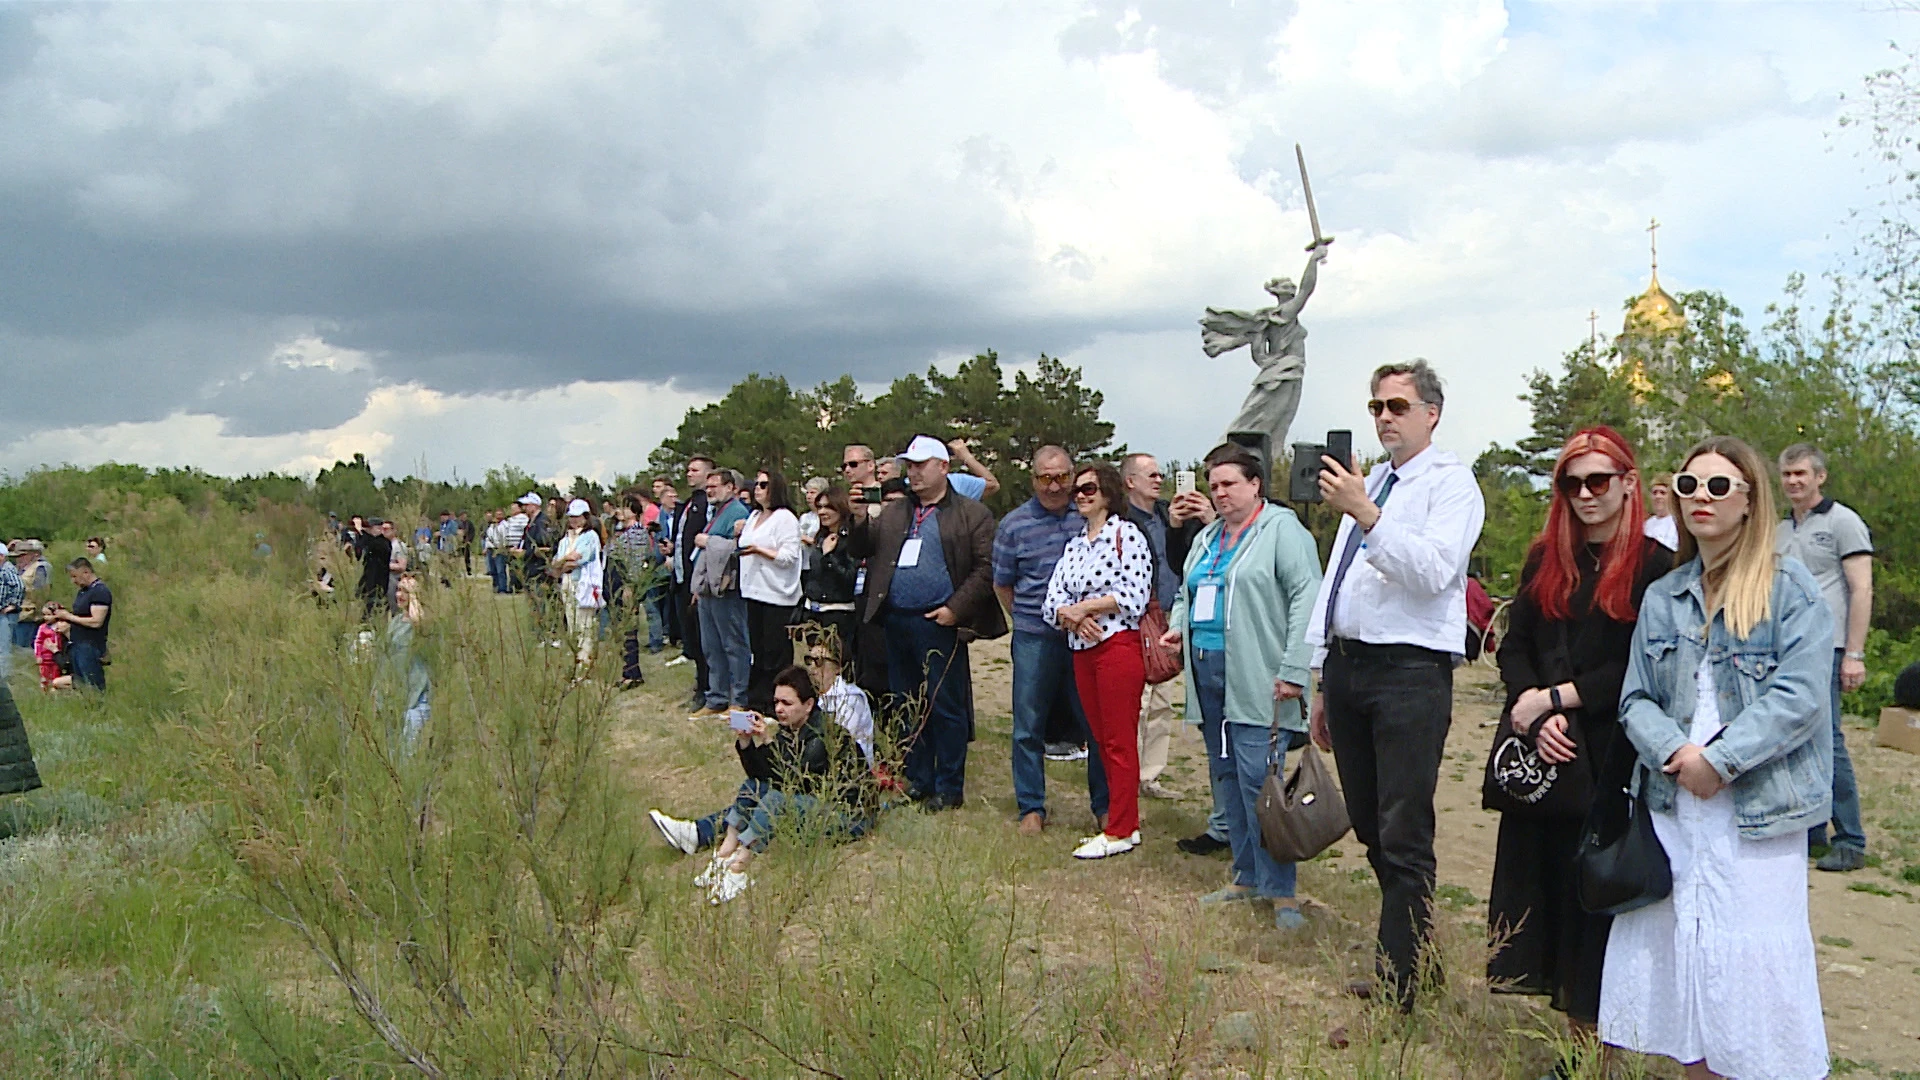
761, 484
1088, 488
845, 465
1398, 406
1595, 483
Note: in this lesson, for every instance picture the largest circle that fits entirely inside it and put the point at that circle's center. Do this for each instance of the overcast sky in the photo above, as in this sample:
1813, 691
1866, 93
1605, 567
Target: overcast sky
266, 236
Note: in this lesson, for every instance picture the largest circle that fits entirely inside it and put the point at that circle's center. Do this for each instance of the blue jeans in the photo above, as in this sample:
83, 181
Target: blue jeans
87, 668
757, 810
656, 605
1237, 760
7, 624
1042, 675
927, 662
1848, 830
23, 634
723, 636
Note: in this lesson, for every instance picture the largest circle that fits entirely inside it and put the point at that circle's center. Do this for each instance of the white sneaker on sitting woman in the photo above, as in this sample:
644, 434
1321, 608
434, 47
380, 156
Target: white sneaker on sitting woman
1102, 845
728, 886
716, 867
684, 835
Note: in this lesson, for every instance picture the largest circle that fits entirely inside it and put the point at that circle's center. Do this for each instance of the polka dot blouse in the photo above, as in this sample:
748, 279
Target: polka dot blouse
1116, 563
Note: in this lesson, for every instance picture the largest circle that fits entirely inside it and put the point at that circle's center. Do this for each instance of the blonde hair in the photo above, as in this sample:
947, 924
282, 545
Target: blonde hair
1741, 585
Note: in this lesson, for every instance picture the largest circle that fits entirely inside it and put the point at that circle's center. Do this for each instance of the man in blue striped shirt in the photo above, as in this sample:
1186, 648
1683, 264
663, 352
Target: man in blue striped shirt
13, 593
1029, 542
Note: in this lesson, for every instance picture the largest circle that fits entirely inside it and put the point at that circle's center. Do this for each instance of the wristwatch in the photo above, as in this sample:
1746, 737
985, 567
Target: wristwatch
1554, 693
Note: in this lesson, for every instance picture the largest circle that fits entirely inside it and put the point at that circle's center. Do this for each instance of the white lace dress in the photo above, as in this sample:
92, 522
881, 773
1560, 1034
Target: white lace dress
1723, 970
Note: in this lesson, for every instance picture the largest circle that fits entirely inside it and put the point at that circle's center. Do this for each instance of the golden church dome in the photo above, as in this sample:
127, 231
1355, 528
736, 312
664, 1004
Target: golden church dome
1654, 311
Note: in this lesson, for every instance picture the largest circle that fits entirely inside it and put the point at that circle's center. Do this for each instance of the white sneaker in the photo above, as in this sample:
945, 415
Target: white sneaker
684, 835
675, 662
727, 887
716, 866
1099, 847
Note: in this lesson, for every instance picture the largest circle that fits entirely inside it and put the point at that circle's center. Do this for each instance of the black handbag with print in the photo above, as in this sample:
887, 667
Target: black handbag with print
1517, 781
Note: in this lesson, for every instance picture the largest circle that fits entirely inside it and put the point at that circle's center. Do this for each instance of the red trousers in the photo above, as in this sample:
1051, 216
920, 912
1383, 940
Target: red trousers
1110, 677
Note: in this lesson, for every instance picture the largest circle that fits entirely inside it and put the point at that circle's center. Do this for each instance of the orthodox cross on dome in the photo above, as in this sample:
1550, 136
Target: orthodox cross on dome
1593, 330
1653, 245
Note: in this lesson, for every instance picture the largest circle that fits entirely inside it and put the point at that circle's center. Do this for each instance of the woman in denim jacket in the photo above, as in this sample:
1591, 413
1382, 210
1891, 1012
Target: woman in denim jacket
1726, 702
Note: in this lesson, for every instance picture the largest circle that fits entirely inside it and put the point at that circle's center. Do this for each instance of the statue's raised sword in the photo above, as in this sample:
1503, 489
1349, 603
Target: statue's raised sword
1313, 213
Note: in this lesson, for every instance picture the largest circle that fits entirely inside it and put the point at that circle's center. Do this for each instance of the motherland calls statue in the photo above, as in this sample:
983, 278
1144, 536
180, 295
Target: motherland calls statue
1276, 340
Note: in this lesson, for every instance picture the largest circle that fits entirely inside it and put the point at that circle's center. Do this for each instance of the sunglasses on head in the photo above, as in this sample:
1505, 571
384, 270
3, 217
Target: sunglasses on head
1595, 483
1397, 406
1713, 488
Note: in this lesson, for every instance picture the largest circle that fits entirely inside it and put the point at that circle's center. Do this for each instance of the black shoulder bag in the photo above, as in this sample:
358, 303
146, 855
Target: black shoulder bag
1620, 863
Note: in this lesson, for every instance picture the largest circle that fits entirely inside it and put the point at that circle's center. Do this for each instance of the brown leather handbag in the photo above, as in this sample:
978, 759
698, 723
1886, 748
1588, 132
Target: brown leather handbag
1303, 815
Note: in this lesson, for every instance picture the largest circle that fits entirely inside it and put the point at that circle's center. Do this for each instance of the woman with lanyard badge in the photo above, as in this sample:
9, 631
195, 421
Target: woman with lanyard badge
1242, 614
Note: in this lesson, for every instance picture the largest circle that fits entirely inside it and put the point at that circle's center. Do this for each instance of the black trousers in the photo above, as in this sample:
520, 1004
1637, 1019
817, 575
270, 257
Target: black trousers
690, 637
772, 651
1388, 710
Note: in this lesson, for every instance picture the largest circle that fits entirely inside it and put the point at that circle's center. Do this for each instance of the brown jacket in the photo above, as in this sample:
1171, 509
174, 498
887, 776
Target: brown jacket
966, 539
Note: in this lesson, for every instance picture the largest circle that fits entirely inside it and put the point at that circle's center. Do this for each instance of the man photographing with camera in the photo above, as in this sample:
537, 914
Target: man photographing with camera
1387, 629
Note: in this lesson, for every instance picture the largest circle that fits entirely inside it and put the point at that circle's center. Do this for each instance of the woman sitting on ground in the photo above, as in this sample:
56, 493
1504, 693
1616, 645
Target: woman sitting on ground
799, 765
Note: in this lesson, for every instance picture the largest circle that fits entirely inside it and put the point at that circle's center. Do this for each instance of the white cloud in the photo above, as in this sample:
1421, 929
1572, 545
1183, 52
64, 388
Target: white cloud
436, 231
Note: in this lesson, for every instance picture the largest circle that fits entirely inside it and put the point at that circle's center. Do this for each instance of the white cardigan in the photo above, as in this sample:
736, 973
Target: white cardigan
772, 581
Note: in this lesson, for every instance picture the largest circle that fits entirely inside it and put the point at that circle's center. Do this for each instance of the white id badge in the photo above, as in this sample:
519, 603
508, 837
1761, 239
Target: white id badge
910, 552
1204, 599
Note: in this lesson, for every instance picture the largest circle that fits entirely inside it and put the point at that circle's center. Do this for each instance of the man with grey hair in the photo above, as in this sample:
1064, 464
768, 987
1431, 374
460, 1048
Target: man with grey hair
1026, 547
1833, 543
1388, 627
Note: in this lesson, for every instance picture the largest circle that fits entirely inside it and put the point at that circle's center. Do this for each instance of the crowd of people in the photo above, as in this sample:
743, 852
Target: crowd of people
1692, 655
68, 642
1687, 645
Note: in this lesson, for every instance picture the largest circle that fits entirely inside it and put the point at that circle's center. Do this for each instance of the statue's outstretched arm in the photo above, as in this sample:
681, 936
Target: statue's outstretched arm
1308, 278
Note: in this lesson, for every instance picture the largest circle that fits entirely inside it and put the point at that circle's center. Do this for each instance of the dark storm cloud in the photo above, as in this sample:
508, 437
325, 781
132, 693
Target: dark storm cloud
187, 191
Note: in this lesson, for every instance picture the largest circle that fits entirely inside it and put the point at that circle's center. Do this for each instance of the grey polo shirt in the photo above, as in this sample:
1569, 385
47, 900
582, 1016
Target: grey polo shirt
1831, 534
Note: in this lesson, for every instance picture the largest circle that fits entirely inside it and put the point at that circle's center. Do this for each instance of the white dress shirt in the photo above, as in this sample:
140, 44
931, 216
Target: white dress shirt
1408, 581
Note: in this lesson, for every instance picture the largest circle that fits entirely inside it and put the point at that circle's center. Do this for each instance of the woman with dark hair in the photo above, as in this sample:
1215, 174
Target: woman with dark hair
1241, 617
1098, 592
828, 575
1565, 655
770, 581
796, 763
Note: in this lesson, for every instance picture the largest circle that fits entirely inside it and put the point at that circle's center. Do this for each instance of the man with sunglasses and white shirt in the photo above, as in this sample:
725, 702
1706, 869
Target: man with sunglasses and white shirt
1834, 543
1387, 629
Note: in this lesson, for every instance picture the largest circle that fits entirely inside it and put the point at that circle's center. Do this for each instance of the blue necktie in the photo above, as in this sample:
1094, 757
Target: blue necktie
1346, 558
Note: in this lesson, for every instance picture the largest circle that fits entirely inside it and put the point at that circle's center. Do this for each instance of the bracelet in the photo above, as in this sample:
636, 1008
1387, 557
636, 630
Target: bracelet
1856, 656
1554, 693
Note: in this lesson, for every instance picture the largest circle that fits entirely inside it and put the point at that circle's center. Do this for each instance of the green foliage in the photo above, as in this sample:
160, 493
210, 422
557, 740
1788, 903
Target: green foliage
763, 421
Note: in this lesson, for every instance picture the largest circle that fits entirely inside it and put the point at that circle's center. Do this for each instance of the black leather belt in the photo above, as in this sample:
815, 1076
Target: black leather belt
1399, 654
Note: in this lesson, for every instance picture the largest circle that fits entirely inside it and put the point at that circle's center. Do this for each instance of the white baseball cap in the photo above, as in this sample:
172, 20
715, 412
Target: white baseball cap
925, 448
578, 508
530, 499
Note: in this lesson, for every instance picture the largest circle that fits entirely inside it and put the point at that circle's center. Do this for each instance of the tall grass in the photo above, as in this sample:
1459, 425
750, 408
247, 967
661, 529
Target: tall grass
241, 866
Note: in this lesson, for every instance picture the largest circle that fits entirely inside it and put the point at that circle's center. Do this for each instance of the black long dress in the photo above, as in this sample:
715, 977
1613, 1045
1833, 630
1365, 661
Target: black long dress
1552, 946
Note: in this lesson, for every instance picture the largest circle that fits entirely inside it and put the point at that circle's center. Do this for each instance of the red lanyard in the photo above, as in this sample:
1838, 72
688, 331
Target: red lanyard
1225, 550
920, 514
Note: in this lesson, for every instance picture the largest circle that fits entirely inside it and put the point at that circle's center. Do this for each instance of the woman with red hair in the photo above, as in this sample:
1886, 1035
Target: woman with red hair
1565, 656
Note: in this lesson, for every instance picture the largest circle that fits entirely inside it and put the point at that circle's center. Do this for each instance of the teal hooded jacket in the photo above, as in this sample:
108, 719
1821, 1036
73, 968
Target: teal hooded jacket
1270, 589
